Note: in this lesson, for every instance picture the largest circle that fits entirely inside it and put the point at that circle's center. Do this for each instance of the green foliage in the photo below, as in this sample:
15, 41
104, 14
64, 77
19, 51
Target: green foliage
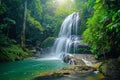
81, 50
35, 8
9, 50
102, 33
44, 18
32, 22
11, 21
48, 42
4, 40
12, 53
33, 36
3, 9
118, 59
102, 67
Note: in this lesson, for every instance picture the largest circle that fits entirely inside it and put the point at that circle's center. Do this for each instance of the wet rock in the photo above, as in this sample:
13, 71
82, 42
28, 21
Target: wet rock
67, 72
76, 70
71, 59
33, 51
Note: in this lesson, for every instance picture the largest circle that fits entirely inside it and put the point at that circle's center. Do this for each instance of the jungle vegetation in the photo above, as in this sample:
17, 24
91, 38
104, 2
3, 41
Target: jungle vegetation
26, 24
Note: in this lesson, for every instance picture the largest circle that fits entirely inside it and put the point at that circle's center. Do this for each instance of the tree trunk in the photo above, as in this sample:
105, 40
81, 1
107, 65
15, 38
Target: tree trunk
0, 2
24, 26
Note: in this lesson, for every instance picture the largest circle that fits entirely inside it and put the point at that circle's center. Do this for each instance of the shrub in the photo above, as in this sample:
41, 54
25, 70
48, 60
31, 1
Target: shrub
12, 53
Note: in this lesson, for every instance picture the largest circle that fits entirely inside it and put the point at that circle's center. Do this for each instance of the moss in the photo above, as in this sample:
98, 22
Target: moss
97, 65
48, 42
102, 67
118, 59
57, 74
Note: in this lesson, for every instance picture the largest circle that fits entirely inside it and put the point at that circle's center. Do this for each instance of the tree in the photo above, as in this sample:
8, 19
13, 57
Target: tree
102, 33
0, 2
24, 26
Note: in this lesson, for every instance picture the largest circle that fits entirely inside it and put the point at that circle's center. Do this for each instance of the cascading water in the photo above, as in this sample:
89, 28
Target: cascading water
67, 37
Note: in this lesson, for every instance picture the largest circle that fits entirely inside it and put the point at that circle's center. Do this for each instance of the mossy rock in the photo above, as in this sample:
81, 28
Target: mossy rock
77, 69
118, 59
48, 42
97, 65
57, 74
67, 72
111, 69
102, 67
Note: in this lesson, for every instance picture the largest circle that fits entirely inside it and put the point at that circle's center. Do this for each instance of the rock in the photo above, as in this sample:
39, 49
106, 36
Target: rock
33, 51
39, 50
77, 69
96, 65
66, 72
111, 69
71, 59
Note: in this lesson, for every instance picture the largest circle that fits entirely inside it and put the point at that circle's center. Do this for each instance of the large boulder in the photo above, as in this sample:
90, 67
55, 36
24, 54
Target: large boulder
71, 59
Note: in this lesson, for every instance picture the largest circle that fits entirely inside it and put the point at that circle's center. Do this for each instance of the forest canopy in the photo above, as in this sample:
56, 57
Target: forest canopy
27, 24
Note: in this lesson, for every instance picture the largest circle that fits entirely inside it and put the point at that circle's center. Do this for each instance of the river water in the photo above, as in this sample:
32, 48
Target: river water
29, 69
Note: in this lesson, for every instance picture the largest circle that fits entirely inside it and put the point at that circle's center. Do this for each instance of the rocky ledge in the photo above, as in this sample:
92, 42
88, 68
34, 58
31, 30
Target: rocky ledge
66, 72
80, 59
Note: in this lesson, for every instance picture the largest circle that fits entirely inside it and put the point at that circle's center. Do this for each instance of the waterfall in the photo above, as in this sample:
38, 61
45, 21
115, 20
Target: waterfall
67, 37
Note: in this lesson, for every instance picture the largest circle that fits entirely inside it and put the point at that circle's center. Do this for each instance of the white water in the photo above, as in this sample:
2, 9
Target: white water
67, 37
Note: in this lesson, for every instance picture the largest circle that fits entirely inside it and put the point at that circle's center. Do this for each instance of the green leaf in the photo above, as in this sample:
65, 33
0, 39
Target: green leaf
97, 5
97, 1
